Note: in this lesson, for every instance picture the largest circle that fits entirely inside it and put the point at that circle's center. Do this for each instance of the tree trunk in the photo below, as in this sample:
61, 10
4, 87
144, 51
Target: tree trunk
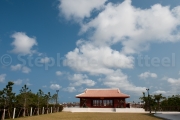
38, 111
3, 115
14, 113
24, 108
24, 112
9, 114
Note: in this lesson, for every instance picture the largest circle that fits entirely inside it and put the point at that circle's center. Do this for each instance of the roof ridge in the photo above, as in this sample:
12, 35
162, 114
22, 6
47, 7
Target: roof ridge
102, 89
80, 94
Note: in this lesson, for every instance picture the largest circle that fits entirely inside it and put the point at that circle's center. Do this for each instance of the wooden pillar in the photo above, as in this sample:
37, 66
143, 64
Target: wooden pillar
79, 102
114, 102
124, 103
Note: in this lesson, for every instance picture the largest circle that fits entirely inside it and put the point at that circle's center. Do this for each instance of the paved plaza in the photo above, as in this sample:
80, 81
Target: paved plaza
169, 115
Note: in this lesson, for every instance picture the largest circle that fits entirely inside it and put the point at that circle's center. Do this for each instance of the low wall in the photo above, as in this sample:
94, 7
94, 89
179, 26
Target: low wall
119, 110
75, 109
130, 110
101, 109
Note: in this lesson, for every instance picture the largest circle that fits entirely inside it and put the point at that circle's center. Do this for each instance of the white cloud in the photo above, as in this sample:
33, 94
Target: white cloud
44, 86
164, 78
78, 9
27, 82
22, 43
147, 75
119, 80
70, 89
55, 86
80, 89
45, 60
174, 81
159, 92
59, 73
80, 79
97, 60
17, 67
18, 82
2, 77
133, 27
174, 85
26, 69
22, 81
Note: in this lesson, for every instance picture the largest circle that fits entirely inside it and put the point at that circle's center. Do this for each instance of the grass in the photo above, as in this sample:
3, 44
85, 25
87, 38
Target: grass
91, 116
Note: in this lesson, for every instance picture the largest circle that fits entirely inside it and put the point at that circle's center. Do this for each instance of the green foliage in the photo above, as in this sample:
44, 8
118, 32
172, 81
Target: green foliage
25, 100
161, 103
60, 108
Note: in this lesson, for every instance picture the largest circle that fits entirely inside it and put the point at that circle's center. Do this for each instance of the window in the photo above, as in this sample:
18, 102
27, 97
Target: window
104, 103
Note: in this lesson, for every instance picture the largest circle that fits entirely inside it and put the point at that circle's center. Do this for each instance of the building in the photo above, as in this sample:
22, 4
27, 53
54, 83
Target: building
103, 98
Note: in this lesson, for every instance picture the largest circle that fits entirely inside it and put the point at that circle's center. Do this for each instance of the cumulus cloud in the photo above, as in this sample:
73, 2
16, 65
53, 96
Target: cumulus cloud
26, 69
80, 79
97, 60
70, 89
22, 43
17, 67
18, 82
160, 92
27, 82
59, 73
174, 81
133, 27
2, 77
45, 60
44, 86
101, 61
79, 9
117, 79
55, 86
147, 75
174, 85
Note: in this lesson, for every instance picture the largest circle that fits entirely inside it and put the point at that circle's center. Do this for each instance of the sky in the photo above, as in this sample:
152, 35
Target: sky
72, 45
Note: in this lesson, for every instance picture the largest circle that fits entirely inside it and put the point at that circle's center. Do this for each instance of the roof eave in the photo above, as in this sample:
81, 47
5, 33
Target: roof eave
102, 97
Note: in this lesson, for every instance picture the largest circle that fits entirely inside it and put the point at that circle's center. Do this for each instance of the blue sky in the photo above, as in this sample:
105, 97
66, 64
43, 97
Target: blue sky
72, 45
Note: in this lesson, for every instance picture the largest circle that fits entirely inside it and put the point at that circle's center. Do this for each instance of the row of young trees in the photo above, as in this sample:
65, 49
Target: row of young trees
25, 100
160, 103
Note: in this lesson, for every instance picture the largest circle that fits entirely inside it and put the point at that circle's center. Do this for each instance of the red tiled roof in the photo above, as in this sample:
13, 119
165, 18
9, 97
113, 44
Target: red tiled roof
102, 93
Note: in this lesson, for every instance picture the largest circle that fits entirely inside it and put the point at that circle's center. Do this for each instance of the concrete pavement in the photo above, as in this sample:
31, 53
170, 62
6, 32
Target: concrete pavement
169, 115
